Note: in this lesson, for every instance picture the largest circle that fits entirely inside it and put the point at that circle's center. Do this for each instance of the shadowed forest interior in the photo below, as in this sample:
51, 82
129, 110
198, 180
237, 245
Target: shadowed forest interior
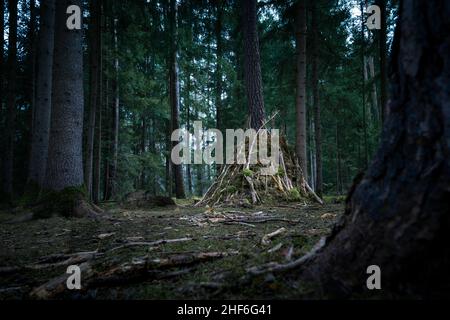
91, 92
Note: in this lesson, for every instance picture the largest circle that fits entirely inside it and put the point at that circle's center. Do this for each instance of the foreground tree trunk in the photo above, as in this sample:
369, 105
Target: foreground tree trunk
42, 108
64, 193
397, 213
252, 70
8, 165
300, 36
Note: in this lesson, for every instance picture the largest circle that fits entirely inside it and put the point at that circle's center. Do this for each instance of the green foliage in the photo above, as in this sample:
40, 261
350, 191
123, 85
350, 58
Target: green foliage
247, 172
294, 195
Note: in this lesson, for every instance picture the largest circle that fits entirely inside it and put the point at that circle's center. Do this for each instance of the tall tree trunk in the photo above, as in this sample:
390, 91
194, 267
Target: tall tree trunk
382, 38
99, 117
94, 43
188, 127
397, 213
8, 165
219, 53
375, 108
175, 95
363, 87
42, 107
114, 153
65, 157
316, 102
252, 65
300, 36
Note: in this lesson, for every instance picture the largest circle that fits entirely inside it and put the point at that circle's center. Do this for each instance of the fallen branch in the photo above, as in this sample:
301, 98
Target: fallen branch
138, 269
150, 244
266, 240
46, 262
275, 267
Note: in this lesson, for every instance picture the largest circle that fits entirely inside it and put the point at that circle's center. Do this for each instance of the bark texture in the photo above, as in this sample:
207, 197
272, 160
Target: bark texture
65, 161
397, 213
252, 65
175, 96
42, 108
300, 35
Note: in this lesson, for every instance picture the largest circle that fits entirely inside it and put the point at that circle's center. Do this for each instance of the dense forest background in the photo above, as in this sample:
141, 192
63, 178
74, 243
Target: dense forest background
136, 52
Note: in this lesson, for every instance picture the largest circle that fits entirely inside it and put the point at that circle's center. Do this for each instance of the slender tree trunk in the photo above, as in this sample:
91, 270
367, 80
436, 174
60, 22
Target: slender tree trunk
31, 82
65, 157
112, 170
375, 107
99, 117
397, 212
219, 53
8, 165
316, 102
301, 30
175, 95
363, 88
42, 107
383, 59
94, 43
188, 127
252, 68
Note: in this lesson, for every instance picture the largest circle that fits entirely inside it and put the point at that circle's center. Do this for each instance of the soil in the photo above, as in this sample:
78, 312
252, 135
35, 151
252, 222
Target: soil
237, 232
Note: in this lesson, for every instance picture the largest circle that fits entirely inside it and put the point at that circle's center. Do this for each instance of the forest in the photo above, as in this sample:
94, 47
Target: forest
226, 149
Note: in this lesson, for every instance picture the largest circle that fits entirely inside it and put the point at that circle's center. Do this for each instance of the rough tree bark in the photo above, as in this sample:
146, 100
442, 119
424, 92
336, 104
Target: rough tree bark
65, 160
397, 213
8, 164
252, 65
42, 107
175, 95
300, 36
95, 38
316, 102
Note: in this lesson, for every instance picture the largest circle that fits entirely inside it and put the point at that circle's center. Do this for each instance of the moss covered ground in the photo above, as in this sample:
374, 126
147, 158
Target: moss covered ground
27, 243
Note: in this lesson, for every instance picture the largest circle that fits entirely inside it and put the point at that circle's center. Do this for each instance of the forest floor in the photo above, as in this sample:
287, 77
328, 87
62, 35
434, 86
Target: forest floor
177, 252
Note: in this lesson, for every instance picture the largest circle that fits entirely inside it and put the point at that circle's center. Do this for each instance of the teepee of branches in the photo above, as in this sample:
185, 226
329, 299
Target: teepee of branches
240, 184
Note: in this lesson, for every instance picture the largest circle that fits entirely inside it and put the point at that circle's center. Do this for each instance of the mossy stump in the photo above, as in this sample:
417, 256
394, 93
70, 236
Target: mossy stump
70, 202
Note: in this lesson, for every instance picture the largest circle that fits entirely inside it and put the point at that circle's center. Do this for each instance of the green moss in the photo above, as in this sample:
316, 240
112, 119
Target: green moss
280, 171
59, 202
247, 172
294, 195
231, 189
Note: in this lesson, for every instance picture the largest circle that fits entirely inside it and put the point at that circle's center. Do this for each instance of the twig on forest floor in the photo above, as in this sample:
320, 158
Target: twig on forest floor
150, 244
276, 267
267, 239
62, 260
